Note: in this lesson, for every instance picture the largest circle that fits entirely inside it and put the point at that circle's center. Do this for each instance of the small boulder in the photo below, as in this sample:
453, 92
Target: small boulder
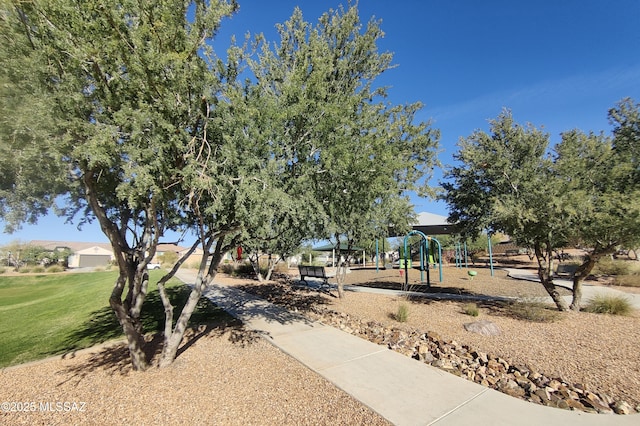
484, 327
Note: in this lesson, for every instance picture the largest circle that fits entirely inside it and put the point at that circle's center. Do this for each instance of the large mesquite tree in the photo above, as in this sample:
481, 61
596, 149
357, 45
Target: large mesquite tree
599, 177
582, 191
128, 92
353, 155
504, 183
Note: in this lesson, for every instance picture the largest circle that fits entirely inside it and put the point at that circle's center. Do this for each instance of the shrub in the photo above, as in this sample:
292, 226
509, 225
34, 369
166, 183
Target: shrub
627, 280
24, 270
607, 266
244, 269
237, 270
533, 311
192, 265
168, 257
3, 270
55, 268
471, 309
402, 314
281, 267
226, 268
38, 269
604, 304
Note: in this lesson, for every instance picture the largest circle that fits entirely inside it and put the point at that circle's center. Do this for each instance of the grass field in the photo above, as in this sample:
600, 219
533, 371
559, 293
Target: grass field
45, 315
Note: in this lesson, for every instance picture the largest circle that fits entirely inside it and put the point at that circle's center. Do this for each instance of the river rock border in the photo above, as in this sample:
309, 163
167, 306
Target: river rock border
488, 370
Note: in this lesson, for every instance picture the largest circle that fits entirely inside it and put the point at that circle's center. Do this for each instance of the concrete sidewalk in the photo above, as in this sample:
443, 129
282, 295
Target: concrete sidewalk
588, 290
402, 390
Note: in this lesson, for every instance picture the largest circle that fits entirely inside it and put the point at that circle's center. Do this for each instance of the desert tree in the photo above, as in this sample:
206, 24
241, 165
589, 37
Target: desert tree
276, 209
600, 183
353, 154
127, 90
583, 190
504, 182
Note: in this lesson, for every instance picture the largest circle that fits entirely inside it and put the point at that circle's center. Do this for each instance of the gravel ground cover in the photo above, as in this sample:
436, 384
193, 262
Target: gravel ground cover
599, 351
227, 375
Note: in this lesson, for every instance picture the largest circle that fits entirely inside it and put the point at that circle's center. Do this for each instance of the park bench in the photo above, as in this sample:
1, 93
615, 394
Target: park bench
307, 271
567, 269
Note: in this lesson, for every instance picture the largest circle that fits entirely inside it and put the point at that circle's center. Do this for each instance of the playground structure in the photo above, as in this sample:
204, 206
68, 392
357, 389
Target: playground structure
461, 254
426, 257
430, 250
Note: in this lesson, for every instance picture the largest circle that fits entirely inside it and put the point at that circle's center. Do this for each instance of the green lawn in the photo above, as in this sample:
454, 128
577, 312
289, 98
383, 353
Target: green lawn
44, 315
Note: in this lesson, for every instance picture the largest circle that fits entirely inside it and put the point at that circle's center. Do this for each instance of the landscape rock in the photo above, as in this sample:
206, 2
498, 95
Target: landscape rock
622, 407
484, 327
486, 369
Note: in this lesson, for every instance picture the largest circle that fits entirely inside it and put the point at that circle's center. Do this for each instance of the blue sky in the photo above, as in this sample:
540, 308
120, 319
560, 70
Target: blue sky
558, 64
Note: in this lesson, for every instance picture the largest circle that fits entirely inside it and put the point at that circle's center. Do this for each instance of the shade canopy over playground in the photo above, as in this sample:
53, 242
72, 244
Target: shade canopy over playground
430, 224
331, 247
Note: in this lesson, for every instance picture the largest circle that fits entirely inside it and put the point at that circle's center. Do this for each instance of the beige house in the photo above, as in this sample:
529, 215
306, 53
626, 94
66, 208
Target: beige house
180, 251
83, 255
90, 255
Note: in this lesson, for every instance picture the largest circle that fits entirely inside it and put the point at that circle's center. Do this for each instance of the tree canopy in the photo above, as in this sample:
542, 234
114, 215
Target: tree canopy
344, 157
581, 191
121, 112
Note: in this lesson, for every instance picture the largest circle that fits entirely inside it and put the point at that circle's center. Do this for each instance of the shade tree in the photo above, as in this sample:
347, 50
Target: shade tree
599, 179
503, 183
355, 154
580, 191
128, 90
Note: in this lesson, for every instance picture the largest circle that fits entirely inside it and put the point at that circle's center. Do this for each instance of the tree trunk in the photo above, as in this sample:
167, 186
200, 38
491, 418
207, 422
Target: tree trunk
130, 326
131, 271
256, 269
585, 269
341, 273
576, 301
174, 334
172, 343
581, 273
545, 266
341, 269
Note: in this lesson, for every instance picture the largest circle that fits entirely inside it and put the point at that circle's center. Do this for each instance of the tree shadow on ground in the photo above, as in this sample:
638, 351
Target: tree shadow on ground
417, 287
491, 307
282, 294
519, 310
103, 326
114, 359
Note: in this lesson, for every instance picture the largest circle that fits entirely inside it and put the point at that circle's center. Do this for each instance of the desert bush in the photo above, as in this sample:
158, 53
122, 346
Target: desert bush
402, 314
567, 263
24, 270
533, 311
244, 269
37, 269
55, 269
168, 258
226, 268
604, 304
281, 267
627, 280
236, 270
193, 265
608, 266
471, 309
